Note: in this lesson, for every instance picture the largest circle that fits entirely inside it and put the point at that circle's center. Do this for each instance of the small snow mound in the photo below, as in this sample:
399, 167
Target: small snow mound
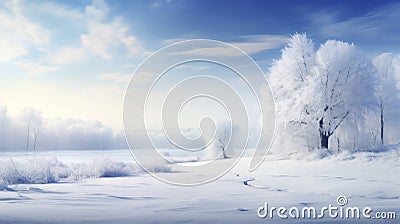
344, 155
384, 148
317, 154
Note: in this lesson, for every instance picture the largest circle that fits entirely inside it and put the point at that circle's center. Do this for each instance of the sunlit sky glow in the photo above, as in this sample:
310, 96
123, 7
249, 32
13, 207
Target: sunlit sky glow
73, 59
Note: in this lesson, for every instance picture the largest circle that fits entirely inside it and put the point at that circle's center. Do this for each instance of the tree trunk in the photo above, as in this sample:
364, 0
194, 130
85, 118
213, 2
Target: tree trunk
324, 140
36, 132
324, 136
27, 136
338, 144
382, 123
223, 153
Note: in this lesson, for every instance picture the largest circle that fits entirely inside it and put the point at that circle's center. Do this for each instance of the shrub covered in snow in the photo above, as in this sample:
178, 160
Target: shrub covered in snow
38, 170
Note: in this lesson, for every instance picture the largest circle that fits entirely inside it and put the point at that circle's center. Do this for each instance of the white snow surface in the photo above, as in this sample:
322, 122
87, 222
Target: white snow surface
66, 187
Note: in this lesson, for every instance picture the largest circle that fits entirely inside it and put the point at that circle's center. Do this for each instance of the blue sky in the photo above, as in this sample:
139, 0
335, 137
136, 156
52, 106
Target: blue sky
75, 58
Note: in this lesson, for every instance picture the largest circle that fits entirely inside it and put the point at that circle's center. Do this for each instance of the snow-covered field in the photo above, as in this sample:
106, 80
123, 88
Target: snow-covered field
107, 187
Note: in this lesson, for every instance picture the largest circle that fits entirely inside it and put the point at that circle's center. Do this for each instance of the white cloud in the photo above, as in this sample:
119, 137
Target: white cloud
68, 55
35, 68
55, 9
175, 40
103, 38
11, 47
209, 51
19, 33
383, 20
130, 65
156, 4
117, 78
97, 10
257, 43
249, 44
96, 32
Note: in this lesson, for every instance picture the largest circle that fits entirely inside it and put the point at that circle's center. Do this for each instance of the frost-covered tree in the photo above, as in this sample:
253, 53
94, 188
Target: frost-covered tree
289, 78
218, 147
34, 120
343, 88
3, 125
3, 118
318, 92
221, 142
387, 68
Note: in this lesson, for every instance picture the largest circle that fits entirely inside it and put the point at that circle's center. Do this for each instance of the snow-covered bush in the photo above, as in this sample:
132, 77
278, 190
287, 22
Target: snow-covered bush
37, 170
31, 170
